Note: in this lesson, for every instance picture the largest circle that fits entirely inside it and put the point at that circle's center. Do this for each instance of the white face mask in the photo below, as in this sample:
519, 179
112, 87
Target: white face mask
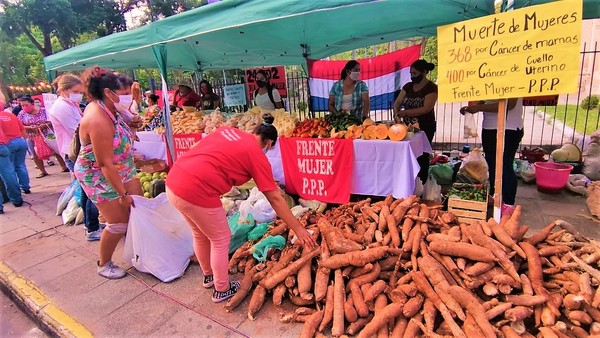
75, 98
124, 103
355, 76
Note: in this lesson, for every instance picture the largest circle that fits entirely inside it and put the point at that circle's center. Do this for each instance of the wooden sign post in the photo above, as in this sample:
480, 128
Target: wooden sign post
527, 52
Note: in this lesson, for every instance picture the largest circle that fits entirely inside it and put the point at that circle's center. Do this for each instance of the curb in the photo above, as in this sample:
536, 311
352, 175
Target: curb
39, 306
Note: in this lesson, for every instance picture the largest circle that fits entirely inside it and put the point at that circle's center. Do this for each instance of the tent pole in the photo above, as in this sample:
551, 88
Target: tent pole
502, 108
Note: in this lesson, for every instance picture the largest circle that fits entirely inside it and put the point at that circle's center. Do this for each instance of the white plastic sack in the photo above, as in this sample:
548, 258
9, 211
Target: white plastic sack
65, 197
418, 187
432, 191
591, 161
79, 217
578, 184
158, 241
71, 211
52, 143
470, 127
258, 206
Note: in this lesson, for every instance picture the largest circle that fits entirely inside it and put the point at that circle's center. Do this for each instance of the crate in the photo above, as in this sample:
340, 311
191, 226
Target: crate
468, 211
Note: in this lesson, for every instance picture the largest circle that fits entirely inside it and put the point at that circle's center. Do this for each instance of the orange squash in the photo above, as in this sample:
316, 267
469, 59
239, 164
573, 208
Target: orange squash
368, 122
397, 132
369, 133
349, 135
381, 131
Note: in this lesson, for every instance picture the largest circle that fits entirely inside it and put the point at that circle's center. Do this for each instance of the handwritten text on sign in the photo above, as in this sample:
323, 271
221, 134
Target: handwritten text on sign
527, 52
234, 95
318, 168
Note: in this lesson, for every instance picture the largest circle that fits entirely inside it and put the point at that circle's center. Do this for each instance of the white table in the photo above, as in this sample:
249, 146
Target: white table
380, 167
151, 145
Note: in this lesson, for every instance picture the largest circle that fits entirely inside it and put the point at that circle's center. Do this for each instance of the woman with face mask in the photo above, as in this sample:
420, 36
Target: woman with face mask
104, 167
266, 97
350, 94
417, 100
209, 99
225, 158
35, 120
65, 116
185, 97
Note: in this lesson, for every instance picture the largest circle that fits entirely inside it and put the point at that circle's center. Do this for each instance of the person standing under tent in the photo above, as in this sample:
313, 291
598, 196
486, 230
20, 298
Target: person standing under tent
513, 134
266, 97
225, 158
105, 167
416, 101
185, 97
210, 100
350, 94
35, 120
154, 117
13, 149
65, 116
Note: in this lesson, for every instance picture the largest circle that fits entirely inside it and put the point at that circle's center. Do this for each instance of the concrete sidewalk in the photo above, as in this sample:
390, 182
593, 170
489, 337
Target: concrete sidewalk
50, 269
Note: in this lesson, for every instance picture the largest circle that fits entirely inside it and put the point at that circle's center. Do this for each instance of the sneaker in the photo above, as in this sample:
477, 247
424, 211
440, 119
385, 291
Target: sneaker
93, 235
26, 191
208, 281
18, 205
219, 296
507, 209
110, 271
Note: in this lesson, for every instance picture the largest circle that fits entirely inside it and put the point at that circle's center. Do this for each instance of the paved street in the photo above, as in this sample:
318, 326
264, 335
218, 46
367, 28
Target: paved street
15, 323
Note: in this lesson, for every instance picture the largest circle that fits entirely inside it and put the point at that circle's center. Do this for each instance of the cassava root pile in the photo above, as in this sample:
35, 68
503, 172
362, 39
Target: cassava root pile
398, 268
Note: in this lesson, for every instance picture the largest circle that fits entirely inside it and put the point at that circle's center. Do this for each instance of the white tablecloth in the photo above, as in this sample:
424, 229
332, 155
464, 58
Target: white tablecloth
380, 167
150, 145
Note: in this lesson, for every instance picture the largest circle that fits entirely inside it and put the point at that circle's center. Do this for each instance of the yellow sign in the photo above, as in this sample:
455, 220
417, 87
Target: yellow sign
526, 52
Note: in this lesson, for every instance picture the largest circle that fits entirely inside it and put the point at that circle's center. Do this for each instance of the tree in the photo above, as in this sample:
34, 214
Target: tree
64, 20
158, 9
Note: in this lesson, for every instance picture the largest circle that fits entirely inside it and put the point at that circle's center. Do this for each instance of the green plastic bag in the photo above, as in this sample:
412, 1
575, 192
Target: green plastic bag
239, 232
261, 249
258, 231
442, 173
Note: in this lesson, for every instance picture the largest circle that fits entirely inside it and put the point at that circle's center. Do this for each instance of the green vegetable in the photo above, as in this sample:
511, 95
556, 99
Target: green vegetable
341, 121
471, 192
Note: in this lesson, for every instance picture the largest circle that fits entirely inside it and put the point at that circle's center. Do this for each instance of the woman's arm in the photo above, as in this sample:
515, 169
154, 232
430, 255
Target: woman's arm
216, 102
332, 104
428, 106
283, 211
489, 107
366, 109
398, 102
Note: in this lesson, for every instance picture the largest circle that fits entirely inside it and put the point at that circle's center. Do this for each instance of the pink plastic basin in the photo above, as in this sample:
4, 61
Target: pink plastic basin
551, 177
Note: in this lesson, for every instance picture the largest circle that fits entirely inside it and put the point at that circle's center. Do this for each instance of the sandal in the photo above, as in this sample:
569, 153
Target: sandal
42, 175
66, 170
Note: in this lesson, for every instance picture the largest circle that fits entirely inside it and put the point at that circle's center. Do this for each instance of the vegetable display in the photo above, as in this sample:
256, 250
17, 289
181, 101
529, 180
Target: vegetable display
471, 192
311, 128
341, 121
400, 268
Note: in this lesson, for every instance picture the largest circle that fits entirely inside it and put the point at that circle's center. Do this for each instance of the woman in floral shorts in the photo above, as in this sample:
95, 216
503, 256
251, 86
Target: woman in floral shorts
105, 166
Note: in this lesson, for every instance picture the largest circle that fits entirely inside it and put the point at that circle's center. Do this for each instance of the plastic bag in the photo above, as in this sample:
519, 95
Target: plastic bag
432, 191
51, 142
42, 151
239, 230
418, 187
474, 168
261, 249
593, 200
258, 231
298, 211
70, 212
525, 171
258, 206
65, 197
578, 183
79, 217
591, 161
470, 127
443, 173
158, 239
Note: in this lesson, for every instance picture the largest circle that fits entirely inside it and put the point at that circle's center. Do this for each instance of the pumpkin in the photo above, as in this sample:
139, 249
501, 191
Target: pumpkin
358, 132
369, 133
381, 131
397, 132
368, 122
349, 135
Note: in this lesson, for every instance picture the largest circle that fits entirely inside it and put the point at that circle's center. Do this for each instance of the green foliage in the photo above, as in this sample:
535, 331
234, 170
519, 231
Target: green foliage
20, 61
302, 106
159, 9
582, 120
590, 102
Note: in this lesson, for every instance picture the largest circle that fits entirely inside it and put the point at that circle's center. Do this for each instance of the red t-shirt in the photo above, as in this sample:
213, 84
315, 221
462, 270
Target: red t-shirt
11, 125
228, 157
190, 99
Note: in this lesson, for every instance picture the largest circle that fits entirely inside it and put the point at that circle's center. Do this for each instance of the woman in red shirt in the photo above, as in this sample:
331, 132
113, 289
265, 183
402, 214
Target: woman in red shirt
185, 97
227, 157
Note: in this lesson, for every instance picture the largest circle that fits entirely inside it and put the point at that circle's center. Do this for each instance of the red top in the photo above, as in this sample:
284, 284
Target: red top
11, 125
190, 99
227, 157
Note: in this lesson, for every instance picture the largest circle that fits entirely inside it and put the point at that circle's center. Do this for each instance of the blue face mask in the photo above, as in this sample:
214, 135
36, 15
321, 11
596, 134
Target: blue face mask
265, 151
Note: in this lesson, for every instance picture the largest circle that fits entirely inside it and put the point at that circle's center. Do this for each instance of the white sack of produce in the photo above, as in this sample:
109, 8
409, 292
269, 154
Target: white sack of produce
593, 200
71, 211
591, 161
258, 206
578, 184
158, 240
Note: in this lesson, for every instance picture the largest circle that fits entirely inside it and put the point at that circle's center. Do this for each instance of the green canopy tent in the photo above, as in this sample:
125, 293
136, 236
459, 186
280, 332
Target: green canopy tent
249, 33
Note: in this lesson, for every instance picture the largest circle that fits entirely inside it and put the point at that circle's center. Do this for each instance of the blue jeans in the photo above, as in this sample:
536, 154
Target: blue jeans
18, 152
90, 211
7, 173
